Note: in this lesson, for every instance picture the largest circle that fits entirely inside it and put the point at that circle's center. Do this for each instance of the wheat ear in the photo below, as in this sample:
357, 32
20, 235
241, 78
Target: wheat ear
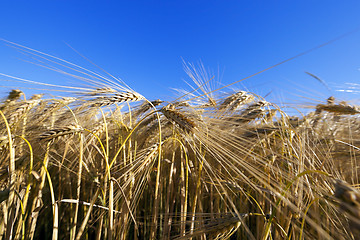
237, 99
59, 132
177, 117
117, 98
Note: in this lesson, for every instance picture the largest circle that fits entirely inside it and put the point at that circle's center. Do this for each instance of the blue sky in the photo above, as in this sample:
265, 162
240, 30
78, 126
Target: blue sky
144, 42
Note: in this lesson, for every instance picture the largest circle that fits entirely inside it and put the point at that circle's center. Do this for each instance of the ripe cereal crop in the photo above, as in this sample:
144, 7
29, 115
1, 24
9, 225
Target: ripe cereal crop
107, 163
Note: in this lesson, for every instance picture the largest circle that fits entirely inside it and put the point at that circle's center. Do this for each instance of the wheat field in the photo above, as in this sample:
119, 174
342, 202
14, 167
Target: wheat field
104, 162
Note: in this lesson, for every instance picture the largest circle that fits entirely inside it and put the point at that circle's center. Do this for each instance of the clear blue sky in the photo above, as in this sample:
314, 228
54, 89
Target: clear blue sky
143, 42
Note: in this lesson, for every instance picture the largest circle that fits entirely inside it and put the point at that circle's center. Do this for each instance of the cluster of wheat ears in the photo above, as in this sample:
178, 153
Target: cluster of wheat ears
106, 162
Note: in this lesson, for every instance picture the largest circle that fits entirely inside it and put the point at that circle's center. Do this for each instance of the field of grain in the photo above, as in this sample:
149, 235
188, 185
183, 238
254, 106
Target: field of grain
107, 163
